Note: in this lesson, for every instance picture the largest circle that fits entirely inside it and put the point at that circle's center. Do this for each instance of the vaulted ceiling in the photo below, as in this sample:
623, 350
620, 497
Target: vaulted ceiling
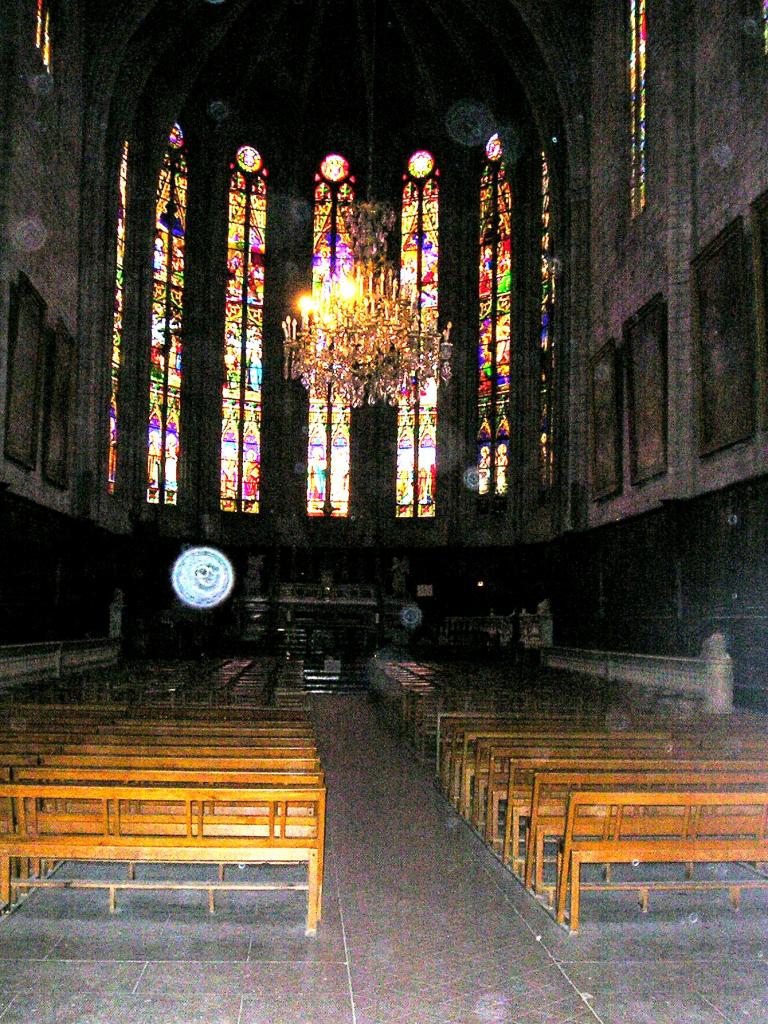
364, 76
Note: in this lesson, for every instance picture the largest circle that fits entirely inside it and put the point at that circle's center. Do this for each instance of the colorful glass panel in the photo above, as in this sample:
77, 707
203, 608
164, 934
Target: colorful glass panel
416, 480
117, 318
495, 327
328, 447
546, 341
240, 467
637, 94
163, 438
765, 26
43, 32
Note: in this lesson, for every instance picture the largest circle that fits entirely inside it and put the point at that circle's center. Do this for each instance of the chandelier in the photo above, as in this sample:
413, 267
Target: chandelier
363, 338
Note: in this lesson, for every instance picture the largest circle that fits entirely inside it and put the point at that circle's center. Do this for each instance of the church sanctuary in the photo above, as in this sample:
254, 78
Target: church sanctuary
384, 512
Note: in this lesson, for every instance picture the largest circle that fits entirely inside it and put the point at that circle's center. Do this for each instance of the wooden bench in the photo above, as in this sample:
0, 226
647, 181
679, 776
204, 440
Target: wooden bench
672, 827
552, 789
189, 823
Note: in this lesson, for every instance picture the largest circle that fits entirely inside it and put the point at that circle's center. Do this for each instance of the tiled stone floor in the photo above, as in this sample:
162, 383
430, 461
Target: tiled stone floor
421, 926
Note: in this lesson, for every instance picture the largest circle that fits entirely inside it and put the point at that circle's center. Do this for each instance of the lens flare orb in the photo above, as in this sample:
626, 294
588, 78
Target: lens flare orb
202, 577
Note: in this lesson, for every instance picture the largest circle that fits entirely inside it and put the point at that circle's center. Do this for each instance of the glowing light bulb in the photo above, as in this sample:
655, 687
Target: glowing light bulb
306, 304
347, 289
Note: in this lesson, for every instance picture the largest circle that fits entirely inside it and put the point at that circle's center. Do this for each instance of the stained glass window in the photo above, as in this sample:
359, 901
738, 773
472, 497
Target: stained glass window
546, 340
493, 390
328, 449
765, 26
43, 32
117, 318
240, 469
167, 320
637, 98
416, 487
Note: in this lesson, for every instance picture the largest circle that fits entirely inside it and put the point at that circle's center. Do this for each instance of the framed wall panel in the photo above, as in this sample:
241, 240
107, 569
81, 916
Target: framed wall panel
724, 343
25, 363
645, 353
606, 423
760, 236
59, 384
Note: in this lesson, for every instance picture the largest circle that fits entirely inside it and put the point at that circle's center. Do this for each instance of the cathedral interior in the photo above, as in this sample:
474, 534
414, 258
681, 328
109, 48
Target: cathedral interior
557, 499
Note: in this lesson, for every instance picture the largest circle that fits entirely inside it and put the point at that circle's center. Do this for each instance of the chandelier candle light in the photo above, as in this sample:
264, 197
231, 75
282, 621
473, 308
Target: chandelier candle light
363, 339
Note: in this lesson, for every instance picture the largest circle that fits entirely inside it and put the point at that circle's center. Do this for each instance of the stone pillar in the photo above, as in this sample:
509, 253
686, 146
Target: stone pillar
718, 696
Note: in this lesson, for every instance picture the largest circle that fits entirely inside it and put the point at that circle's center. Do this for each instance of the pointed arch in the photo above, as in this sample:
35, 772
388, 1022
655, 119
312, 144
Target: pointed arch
240, 461
117, 319
494, 349
164, 429
328, 448
416, 489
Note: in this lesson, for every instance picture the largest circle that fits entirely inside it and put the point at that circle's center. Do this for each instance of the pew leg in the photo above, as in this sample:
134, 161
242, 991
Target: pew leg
131, 872
606, 872
5, 882
564, 863
573, 924
515, 837
314, 894
211, 902
221, 872
539, 865
35, 864
734, 895
689, 870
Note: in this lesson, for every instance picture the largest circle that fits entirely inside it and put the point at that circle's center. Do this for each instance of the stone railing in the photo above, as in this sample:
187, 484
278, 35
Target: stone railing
30, 663
708, 678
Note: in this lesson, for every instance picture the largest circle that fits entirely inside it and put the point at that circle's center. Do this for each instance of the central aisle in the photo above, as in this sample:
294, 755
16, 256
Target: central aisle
431, 931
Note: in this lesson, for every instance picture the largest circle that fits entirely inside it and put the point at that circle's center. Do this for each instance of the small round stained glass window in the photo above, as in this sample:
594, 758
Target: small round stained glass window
334, 167
249, 159
202, 577
493, 147
176, 137
421, 164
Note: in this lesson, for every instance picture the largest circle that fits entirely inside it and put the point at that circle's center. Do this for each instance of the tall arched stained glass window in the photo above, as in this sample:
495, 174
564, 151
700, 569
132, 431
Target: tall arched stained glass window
765, 26
417, 411
638, 36
117, 318
328, 450
43, 32
243, 325
493, 435
546, 341
167, 318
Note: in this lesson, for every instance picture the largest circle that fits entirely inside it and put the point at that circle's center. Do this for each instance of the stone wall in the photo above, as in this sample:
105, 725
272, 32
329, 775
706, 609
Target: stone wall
40, 180
707, 164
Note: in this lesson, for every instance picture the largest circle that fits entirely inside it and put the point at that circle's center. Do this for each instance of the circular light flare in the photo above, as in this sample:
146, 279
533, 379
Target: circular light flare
493, 147
202, 578
334, 167
249, 159
421, 164
176, 137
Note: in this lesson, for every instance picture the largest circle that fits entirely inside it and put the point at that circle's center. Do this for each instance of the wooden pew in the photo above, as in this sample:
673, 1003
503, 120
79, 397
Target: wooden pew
552, 789
522, 769
189, 823
629, 827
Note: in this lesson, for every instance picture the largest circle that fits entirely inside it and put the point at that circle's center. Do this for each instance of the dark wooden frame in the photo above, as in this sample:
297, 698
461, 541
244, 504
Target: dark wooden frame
760, 250
724, 342
26, 351
606, 423
57, 406
645, 356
